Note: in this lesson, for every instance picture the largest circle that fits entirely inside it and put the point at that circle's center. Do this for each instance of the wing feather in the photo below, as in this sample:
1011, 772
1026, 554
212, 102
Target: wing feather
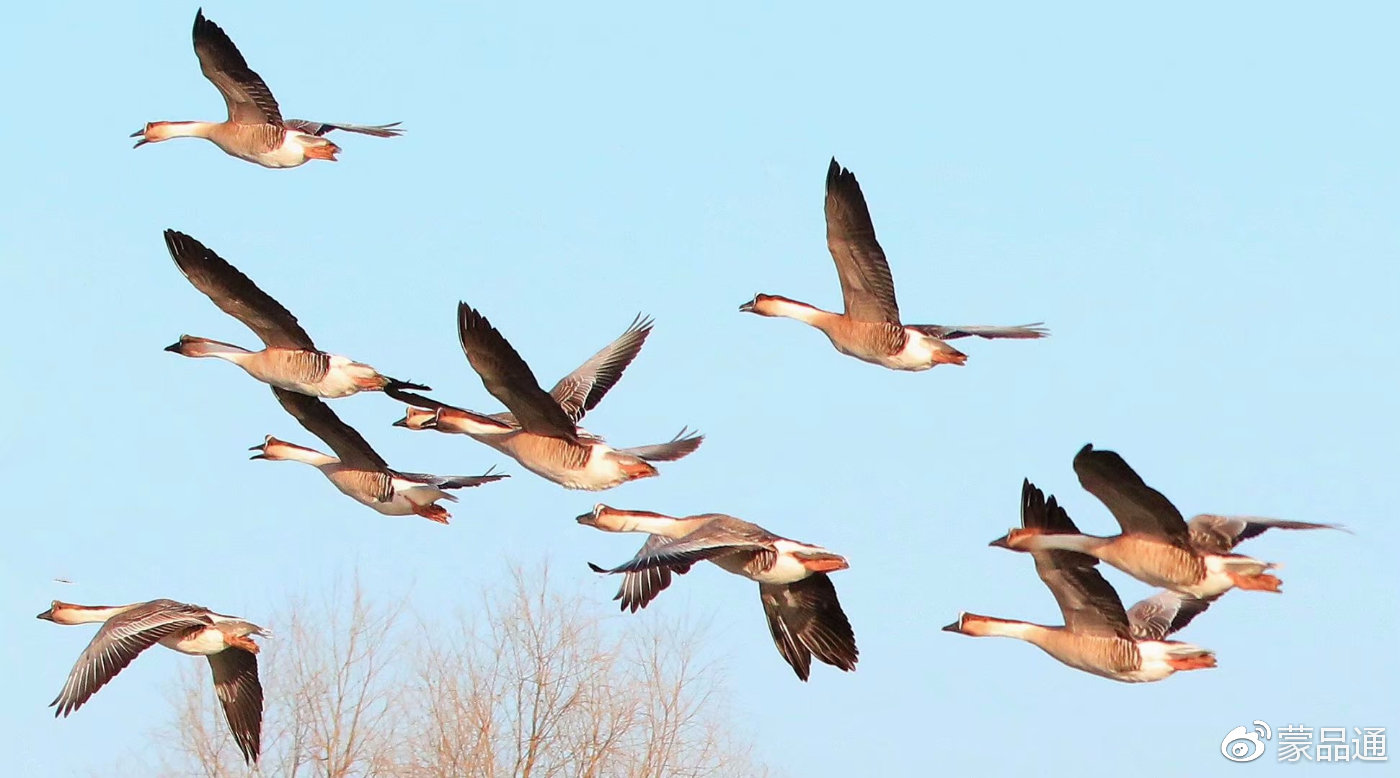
236, 294
1220, 534
248, 98
866, 284
1139, 509
236, 684
318, 419
120, 640
805, 619
509, 379
580, 391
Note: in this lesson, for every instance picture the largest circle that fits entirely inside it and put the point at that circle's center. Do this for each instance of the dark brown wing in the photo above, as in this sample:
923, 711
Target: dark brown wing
580, 391
1089, 604
235, 294
866, 284
318, 419
1039, 513
509, 379
1139, 509
236, 684
805, 619
249, 100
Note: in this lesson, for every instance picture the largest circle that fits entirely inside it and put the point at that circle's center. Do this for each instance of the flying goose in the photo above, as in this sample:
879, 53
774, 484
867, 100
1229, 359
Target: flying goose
870, 328
540, 431
359, 472
255, 129
127, 630
290, 360
1098, 636
804, 615
1156, 545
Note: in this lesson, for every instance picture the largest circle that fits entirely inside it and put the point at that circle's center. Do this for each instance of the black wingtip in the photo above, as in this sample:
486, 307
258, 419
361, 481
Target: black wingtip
600, 570
395, 384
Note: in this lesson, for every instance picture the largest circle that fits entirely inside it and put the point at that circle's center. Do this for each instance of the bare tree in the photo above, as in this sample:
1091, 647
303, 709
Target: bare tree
531, 683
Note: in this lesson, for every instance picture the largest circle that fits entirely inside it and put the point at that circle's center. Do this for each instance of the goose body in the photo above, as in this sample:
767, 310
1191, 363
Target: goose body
804, 615
870, 328
1156, 544
255, 130
357, 470
1098, 636
290, 359
127, 630
541, 431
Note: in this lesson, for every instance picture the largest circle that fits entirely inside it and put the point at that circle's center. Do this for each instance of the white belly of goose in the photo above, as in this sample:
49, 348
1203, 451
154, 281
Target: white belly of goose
344, 377
787, 569
291, 153
202, 643
407, 494
1154, 666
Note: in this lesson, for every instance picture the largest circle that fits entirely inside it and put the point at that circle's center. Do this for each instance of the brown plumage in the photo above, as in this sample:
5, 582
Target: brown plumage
870, 329
509, 379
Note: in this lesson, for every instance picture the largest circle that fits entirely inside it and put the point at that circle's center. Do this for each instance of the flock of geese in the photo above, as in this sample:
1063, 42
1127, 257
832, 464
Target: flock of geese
1193, 562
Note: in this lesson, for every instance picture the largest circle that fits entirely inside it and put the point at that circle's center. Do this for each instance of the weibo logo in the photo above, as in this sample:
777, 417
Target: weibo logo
1242, 745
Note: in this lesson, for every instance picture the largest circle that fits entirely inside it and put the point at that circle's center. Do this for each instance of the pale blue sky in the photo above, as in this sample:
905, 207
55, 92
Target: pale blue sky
1199, 201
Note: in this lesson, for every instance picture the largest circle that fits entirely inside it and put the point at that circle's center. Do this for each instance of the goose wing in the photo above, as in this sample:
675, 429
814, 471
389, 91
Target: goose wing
318, 419
866, 285
1139, 509
953, 332
321, 128
239, 691
248, 98
805, 619
1220, 534
640, 587
1089, 603
120, 640
675, 448
580, 391
1164, 613
704, 543
235, 294
509, 379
